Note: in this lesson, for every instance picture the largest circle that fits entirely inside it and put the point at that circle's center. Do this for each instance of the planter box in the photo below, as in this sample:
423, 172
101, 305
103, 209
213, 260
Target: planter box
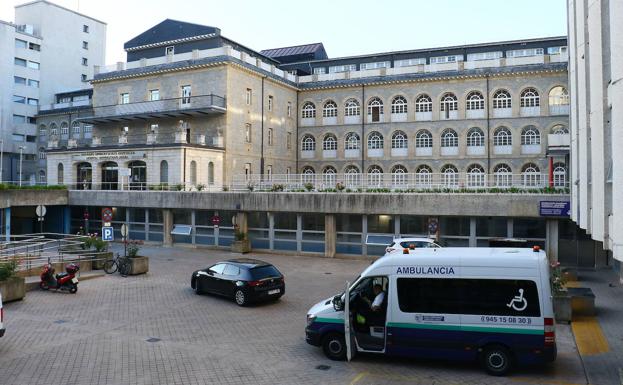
140, 265
243, 246
562, 308
100, 258
13, 289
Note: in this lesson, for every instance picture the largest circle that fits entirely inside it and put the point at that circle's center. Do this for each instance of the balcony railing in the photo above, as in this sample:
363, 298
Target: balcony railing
201, 105
148, 139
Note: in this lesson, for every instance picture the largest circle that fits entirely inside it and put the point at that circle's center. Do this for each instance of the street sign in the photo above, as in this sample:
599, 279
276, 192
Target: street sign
216, 220
106, 215
108, 234
124, 172
41, 210
124, 230
554, 208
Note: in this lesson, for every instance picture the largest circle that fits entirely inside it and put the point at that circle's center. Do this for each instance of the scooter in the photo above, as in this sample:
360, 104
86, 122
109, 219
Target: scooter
63, 281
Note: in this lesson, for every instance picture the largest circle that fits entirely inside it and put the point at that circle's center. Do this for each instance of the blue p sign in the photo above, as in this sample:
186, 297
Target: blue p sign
108, 234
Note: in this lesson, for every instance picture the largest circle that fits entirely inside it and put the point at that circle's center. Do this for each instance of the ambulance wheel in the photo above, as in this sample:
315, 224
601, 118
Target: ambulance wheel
496, 360
334, 346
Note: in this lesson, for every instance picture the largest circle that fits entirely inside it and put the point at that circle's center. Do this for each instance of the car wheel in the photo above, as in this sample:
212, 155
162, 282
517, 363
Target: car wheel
240, 297
496, 360
334, 346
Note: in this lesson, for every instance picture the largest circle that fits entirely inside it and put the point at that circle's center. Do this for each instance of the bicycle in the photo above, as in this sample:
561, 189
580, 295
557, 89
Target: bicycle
121, 264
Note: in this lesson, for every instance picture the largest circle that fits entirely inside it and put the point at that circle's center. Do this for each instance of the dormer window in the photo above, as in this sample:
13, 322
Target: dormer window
170, 50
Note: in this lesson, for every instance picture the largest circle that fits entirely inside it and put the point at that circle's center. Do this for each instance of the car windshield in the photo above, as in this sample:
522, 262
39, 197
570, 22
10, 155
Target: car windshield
262, 272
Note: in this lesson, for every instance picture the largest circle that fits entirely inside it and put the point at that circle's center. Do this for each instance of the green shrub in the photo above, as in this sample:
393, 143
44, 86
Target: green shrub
276, 188
201, 187
8, 268
308, 186
99, 244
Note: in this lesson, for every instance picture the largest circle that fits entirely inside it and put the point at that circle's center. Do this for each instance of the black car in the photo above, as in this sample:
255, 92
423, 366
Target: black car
245, 280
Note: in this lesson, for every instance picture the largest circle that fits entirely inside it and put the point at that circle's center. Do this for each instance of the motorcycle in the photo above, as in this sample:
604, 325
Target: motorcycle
66, 281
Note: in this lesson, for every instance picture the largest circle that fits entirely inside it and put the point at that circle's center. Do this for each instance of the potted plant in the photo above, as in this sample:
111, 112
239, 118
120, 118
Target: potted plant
99, 256
560, 298
241, 244
140, 264
12, 287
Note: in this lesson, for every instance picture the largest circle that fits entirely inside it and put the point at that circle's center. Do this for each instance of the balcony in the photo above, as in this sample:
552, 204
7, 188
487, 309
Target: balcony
154, 139
182, 108
558, 143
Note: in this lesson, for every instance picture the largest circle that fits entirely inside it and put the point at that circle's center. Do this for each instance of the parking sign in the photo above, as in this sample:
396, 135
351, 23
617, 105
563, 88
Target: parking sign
108, 234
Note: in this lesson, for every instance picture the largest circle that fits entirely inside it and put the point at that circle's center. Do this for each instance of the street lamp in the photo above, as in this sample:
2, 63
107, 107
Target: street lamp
21, 151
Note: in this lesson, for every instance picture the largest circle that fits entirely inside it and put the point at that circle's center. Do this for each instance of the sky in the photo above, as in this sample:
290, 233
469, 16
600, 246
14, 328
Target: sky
345, 27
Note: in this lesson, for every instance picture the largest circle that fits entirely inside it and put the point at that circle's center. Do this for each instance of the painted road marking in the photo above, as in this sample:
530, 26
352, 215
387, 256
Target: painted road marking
589, 337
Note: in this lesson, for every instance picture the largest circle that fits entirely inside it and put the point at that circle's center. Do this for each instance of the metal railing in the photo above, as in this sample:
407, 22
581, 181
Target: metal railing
162, 105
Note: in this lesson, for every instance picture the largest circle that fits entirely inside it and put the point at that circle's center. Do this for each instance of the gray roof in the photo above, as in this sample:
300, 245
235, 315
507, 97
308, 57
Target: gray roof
294, 50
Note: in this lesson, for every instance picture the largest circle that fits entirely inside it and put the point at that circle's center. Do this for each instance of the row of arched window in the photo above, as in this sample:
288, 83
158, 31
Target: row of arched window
63, 129
529, 97
449, 176
502, 136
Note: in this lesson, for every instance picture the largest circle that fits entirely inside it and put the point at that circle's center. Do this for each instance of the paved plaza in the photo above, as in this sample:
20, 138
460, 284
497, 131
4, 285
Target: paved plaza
153, 329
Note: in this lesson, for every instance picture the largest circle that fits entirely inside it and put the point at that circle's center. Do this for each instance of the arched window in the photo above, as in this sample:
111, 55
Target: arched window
60, 177
450, 175
308, 111
558, 96
423, 176
329, 110
64, 129
308, 143
309, 174
329, 176
502, 137
560, 175
559, 129
531, 175
329, 142
375, 176
529, 98
449, 138
423, 139
210, 173
43, 131
475, 176
399, 140
399, 105
42, 154
53, 129
399, 175
352, 141
375, 141
449, 104
475, 101
375, 109
42, 177
501, 99
352, 108
164, 172
475, 137
75, 129
193, 173
503, 176
352, 176
530, 135
423, 103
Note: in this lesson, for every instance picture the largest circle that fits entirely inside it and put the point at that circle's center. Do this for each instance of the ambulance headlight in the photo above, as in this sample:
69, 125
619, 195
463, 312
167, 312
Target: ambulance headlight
310, 319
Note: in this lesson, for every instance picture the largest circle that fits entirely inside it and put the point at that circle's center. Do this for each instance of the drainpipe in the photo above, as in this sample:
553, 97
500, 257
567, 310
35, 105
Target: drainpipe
184, 172
262, 135
364, 114
488, 130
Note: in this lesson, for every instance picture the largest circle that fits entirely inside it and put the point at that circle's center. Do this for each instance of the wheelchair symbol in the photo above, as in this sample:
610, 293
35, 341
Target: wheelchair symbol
518, 303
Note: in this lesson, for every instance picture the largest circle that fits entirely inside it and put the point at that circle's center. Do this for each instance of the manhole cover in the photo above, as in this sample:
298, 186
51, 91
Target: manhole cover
153, 339
60, 321
323, 367
170, 259
327, 273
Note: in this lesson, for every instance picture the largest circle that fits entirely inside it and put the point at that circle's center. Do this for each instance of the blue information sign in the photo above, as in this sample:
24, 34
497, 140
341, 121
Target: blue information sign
108, 234
554, 209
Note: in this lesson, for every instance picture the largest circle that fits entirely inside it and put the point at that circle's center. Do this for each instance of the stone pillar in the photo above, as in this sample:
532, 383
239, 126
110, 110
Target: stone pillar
330, 235
472, 232
551, 239
167, 227
242, 221
7, 223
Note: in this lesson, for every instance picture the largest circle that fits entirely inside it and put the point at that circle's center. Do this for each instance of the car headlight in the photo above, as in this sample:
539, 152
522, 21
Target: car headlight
310, 319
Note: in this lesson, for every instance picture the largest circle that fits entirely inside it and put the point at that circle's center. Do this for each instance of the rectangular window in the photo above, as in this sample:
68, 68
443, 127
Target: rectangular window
34, 65
88, 128
20, 62
319, 70
124, 98
85, 45
154, 95
18, 137
270, 103
247, 133
270, 136
33, 101
289, 140
170, 50
557, 50
524, 52
31, 120
153, 128
269, 172
342, 68
375, 65
249, 96
410, 62
85, 28
484, 56
33, 83
289, 110
186, 93
85, 61
31, 138
83, 77
18, 119
19, 99
20, 43
446, 59
19, 80
247, 170
34, 47
468, 296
